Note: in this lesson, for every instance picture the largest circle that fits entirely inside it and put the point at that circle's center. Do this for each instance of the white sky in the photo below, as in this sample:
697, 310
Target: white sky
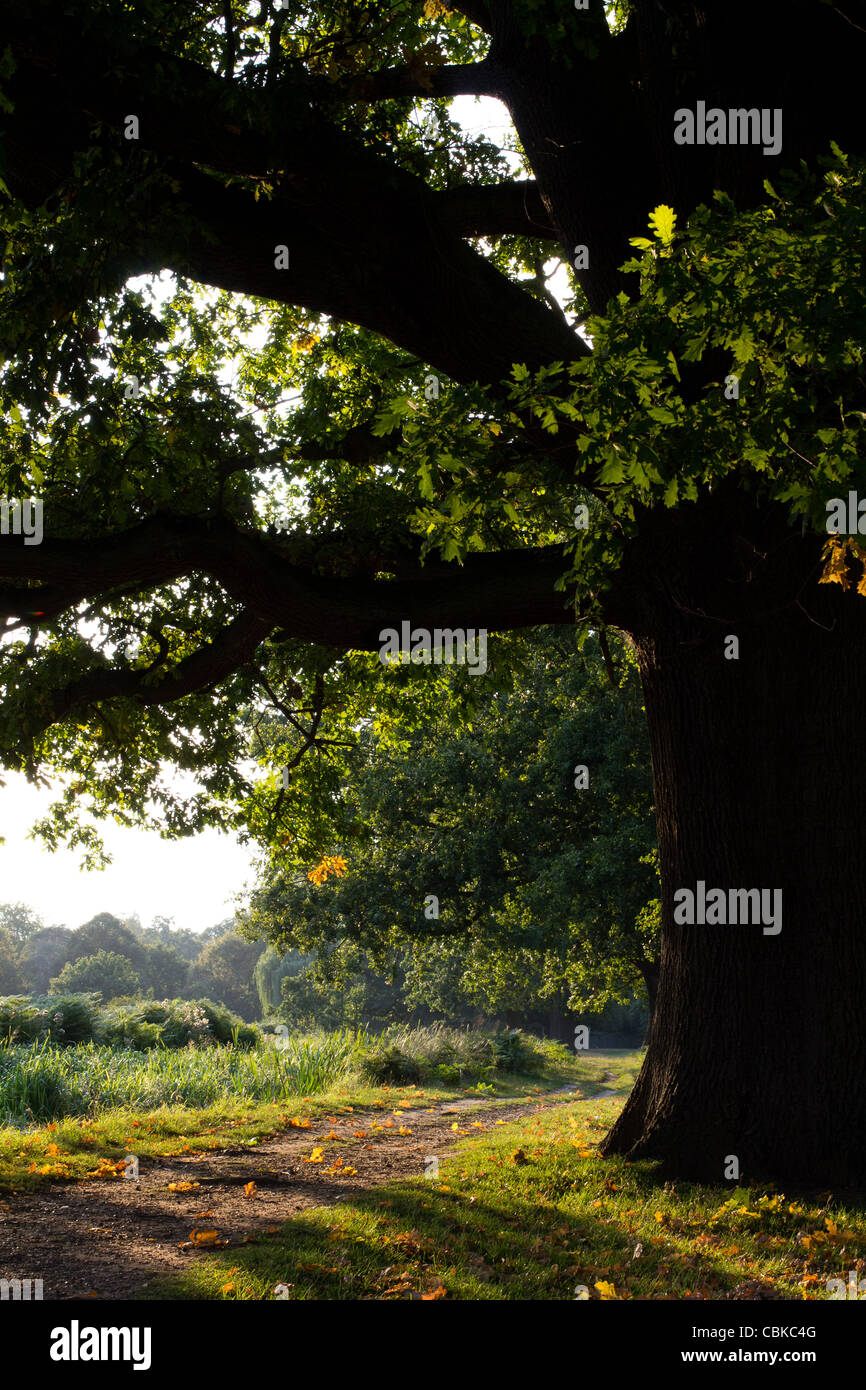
194, 880
191, 880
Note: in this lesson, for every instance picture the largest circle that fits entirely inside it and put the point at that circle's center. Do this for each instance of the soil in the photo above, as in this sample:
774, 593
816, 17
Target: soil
108, 1239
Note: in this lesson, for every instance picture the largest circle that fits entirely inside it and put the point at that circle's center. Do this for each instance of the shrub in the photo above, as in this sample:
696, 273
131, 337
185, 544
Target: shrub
386, 1066
449, 1055
64, 1018
127, 1022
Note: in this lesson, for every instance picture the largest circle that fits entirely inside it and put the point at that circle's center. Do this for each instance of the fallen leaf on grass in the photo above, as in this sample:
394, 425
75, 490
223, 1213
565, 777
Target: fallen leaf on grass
605, 1289
204, 1237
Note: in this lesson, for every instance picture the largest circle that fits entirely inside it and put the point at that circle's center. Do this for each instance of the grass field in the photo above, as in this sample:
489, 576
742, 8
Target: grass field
45, 1081
74, 1112
529, 1211
521, 1208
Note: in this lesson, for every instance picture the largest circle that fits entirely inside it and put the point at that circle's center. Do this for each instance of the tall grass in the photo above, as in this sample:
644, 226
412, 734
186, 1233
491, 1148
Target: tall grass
44, 1081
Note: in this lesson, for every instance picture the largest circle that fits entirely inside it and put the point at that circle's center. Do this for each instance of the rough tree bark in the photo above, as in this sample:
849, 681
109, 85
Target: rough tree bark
758, 1044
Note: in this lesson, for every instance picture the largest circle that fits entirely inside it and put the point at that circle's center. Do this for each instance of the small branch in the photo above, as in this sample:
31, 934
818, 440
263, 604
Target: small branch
608, 659
231, 41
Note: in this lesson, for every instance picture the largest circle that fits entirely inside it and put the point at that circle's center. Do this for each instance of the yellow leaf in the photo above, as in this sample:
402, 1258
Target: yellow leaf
204, 1237
605, 1289
835, 556
250, 1189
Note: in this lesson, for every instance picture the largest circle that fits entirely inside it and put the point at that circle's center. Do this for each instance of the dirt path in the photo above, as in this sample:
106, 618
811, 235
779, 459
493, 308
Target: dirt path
108, 1239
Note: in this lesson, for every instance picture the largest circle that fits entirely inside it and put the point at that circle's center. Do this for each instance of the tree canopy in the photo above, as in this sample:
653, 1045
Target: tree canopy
399, 421
503, 836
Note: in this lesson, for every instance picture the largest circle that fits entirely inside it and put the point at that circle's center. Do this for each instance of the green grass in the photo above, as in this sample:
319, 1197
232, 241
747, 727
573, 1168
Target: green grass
160, 1103
561, 1223
47, 1081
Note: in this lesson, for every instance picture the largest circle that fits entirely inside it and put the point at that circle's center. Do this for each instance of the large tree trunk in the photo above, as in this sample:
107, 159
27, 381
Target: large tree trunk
758, 1042
650, 971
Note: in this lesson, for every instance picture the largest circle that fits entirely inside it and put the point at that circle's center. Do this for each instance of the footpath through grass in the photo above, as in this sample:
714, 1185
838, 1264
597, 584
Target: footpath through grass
529, 1211
96, 1146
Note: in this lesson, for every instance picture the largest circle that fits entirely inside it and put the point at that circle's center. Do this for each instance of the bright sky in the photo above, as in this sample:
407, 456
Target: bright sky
191, 880
195, 880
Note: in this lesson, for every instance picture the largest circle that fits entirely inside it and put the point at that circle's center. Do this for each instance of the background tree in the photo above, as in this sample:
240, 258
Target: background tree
106, 973
225, 970
527, 816
162, 931
164, 973
105, 932
20, 921
417, 261
11, 975
42, 955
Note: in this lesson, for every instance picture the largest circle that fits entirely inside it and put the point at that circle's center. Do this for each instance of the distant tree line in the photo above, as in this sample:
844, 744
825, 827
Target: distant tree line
116, 959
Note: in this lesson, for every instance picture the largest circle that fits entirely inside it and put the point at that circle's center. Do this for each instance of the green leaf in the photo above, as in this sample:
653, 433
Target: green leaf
663, 221
661, 414
612, 471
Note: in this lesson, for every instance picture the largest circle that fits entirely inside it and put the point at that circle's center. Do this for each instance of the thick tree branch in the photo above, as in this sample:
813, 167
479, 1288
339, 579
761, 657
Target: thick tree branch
202, 670
448, 80
480, 12
366, 241
493, 590
496, 209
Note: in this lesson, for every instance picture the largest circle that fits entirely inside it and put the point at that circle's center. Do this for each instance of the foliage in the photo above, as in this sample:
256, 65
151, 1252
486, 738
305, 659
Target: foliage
74, 1018
20, 920
43, 1081
226, 968
470, 796
64, 1019
105, 973
450, 1055
42, 955
11, 978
